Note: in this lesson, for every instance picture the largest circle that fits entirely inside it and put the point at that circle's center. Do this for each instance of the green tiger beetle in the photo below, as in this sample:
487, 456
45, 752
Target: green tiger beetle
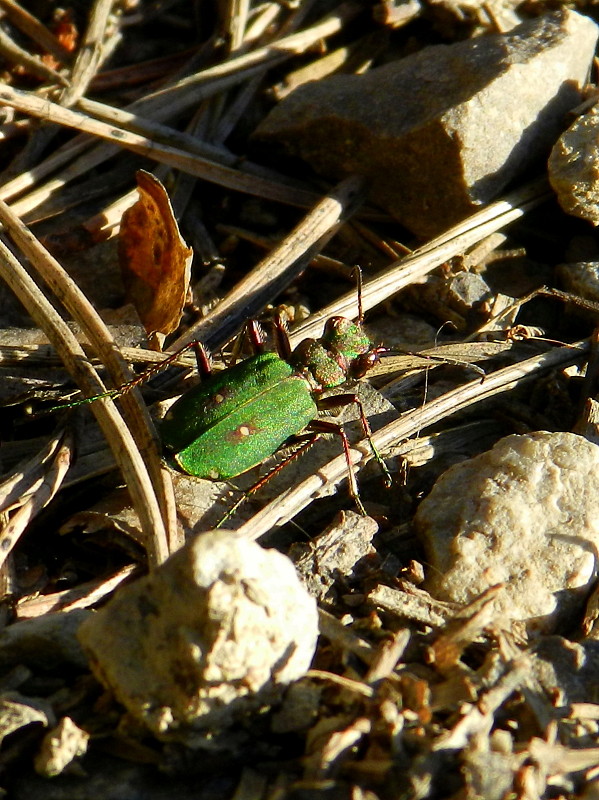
233, 420
236, 418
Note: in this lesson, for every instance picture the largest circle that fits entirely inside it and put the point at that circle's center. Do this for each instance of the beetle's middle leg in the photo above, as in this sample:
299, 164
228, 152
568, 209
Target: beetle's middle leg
334, 401
320, 426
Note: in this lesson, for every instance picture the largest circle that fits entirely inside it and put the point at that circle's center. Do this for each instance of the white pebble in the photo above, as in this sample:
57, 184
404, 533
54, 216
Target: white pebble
218, 630
525, 514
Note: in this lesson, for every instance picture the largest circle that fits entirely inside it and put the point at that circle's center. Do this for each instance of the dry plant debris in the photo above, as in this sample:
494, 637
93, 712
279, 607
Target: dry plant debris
155, 261
201, 682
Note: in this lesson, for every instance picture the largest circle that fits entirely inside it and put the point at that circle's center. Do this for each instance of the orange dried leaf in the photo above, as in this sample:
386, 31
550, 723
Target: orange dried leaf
155, 261
66, 34
65, 30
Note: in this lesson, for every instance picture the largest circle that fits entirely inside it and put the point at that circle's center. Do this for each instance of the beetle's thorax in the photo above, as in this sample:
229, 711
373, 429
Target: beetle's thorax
343, 351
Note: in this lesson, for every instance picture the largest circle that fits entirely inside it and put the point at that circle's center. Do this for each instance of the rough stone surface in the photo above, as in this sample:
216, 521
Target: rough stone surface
574, 168
337, 552
571, 667
581, 278
526, 514
218, 630
442, 131
44, 642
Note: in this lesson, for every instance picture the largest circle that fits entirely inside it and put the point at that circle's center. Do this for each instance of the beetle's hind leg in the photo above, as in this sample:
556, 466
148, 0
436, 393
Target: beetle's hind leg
305, 442
314, 431
203, 362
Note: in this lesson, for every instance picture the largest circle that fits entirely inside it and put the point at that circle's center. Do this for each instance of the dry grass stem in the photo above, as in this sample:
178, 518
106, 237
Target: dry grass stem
411, 268
140, 424
290, 502
126, 451
83, 596
165, 154
31, 489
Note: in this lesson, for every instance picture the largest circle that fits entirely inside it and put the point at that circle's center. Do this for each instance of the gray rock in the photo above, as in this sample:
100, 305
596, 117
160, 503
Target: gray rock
442, 131
466, 290
525, 514
44, 642
336, 552
215, 632
574, 167
570, 667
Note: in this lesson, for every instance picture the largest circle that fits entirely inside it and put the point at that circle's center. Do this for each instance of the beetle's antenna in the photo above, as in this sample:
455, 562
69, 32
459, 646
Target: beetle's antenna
358, 274
203, 365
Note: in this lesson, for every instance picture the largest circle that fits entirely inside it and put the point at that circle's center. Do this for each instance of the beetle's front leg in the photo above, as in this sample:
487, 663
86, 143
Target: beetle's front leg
255, 335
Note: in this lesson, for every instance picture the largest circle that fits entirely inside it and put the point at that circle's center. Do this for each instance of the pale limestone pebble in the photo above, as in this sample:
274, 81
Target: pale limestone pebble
60, 747
444, 130
524, 514
215, 632
574, 167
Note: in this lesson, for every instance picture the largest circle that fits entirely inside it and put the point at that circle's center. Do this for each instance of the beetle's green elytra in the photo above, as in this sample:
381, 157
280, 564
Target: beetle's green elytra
234, 420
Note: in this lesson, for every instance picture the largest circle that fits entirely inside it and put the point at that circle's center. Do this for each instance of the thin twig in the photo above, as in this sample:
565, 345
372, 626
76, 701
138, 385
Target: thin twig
174, 100
41, 480
30, 25
278, 269
174, 157
90, 54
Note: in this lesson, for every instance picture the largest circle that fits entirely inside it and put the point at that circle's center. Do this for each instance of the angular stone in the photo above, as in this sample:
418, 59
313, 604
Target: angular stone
525, 514
442, 131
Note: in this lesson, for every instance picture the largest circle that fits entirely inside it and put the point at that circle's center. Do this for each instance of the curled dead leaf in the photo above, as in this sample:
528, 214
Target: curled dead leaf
155, 261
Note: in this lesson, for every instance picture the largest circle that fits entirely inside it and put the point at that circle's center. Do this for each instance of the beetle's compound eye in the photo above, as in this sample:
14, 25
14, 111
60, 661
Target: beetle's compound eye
364, 363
